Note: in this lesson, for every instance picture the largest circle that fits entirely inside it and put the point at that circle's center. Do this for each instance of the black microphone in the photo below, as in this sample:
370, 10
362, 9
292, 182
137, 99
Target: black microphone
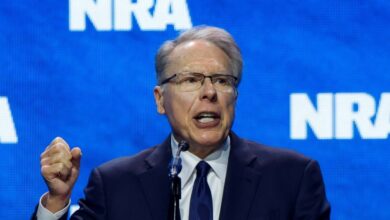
174, 170
175, 165
183, 145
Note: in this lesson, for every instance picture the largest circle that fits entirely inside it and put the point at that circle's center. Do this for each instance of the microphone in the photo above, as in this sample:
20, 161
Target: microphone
175, 165
174, 170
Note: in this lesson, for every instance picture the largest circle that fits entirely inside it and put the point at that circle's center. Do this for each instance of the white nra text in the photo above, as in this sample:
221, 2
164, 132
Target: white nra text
337, 114
7, 127
108, 15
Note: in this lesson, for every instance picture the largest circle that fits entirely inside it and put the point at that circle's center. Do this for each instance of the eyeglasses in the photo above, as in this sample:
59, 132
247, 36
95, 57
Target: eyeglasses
189, 81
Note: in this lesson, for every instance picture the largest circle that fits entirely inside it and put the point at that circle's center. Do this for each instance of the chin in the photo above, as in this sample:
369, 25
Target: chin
209, 138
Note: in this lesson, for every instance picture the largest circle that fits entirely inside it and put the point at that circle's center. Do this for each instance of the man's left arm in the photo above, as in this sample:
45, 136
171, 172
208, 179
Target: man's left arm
311, 201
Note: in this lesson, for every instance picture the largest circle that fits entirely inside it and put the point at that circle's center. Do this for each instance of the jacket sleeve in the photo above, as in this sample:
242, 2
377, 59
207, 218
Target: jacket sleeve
93, 206
311, 203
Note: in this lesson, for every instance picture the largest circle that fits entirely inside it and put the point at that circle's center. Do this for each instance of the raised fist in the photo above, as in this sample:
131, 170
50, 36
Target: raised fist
60, 168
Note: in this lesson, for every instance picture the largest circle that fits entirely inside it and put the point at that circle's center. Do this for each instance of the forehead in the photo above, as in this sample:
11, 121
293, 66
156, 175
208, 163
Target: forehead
198, 56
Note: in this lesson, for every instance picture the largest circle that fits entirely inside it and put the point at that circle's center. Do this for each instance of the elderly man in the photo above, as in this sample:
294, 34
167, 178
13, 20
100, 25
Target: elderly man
223, 176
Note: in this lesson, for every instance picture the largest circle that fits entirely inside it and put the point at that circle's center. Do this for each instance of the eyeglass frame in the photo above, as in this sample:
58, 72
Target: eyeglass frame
167, 80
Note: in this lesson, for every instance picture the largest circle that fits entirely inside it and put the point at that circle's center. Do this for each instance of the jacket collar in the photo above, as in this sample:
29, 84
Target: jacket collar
155, 182
242, 180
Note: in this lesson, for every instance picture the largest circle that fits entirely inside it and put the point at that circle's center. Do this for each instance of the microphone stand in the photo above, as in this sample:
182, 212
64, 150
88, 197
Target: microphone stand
174, 170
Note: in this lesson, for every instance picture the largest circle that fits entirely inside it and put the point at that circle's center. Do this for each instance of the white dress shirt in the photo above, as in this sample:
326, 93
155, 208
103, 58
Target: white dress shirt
44, 214
218, 161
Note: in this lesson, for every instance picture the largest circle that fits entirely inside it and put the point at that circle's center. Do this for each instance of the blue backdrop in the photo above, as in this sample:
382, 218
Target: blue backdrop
93, 87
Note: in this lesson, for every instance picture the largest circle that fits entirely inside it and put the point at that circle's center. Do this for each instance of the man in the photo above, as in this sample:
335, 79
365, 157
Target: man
223, 176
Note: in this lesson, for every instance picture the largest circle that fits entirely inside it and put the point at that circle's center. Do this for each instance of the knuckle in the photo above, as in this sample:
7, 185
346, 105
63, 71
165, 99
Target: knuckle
63, 156
60, 155
43, 161
54, 148
44, 170
58, 147
57, 140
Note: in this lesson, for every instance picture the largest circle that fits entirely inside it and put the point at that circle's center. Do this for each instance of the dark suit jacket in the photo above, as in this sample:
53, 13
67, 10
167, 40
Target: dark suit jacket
261, 183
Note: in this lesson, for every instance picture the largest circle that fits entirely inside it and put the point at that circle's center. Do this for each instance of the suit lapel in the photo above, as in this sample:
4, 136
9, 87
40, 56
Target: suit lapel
155, 181
241, 181
240, 185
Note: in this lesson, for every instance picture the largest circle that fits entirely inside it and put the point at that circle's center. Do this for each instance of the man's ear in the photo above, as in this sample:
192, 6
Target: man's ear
159, 98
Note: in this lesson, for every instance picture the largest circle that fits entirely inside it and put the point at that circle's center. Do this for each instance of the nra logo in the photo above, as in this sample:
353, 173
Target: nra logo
7, 127
336, 115
108, 15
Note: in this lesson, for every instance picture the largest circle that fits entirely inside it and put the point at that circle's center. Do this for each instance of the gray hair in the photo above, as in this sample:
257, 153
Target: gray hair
217, 36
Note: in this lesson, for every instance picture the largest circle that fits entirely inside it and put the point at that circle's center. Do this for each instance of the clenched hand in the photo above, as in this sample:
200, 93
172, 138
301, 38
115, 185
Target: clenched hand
60, 168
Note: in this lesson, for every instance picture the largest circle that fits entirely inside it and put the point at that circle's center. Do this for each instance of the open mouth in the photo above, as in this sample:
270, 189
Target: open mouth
209, 118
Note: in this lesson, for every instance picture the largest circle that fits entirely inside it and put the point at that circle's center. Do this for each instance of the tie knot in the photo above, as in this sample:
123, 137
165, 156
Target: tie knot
202, 169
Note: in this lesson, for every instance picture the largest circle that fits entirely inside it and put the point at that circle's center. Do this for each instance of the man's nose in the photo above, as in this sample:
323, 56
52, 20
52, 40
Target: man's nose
207, 91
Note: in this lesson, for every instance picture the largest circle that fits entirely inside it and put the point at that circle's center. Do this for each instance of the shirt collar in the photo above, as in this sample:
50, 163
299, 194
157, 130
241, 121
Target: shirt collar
218, 161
